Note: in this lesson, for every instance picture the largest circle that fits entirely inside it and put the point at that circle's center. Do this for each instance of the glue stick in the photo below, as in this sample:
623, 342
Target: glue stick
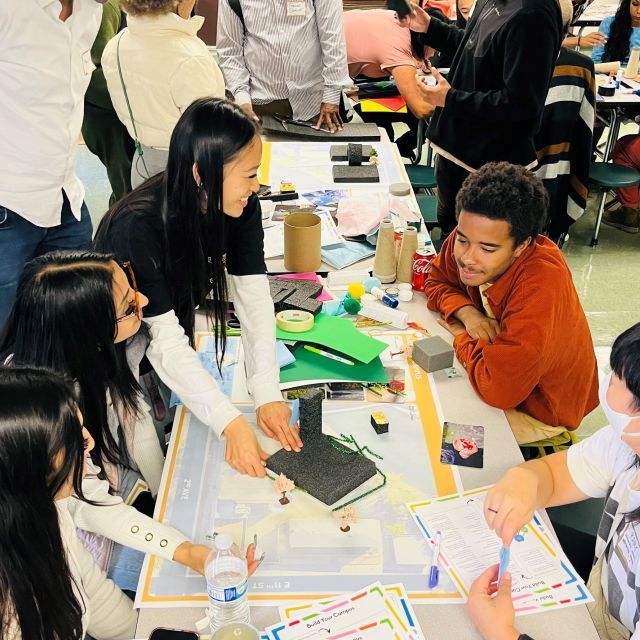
390, 301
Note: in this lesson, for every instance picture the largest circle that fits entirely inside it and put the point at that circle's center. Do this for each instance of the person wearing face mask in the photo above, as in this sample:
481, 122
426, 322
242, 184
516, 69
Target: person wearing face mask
605, 465
506, 295
183, 231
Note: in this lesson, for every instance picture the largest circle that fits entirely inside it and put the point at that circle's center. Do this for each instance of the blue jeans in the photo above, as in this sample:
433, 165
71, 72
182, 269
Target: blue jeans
20, 241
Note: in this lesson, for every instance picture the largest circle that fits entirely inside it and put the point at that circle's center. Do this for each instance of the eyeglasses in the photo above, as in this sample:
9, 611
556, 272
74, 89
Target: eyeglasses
134, 306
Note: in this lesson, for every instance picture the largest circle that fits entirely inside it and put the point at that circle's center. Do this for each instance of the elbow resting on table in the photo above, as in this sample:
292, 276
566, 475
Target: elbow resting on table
497, 395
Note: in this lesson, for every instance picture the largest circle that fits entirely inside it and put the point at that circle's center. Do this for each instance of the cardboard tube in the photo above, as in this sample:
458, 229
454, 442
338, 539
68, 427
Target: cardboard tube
302, 238
384, 263
607, 67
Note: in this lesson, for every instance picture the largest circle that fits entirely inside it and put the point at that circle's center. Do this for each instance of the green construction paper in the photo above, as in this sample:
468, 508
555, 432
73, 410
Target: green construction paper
311, 366
340, 335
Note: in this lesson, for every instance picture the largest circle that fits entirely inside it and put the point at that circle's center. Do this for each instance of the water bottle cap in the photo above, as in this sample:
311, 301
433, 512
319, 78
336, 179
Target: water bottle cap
223, 541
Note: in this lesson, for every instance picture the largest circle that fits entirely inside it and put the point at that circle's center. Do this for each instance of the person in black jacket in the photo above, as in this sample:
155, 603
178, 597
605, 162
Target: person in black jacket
490, 107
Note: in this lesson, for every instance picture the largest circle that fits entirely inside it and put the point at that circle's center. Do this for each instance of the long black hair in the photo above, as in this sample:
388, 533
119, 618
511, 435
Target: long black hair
41, 448
64, 318
209, 134
617, 47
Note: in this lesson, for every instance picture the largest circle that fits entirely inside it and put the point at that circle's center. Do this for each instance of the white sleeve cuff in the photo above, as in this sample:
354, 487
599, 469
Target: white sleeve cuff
254, 307
179, 367
242, 97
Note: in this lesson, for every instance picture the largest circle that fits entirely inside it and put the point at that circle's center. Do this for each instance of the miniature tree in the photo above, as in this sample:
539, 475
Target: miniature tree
283, 485
346, 517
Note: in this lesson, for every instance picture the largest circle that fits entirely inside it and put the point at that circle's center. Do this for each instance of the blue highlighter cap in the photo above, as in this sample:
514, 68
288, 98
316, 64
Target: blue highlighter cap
434, 574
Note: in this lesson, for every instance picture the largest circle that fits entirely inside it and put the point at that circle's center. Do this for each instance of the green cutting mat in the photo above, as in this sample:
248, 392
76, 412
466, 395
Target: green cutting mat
340, 335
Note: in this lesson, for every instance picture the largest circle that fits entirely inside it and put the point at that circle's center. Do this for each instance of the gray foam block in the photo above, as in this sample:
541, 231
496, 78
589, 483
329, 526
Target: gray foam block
433, 354
290, 294
319, 468
338, 152
364, 173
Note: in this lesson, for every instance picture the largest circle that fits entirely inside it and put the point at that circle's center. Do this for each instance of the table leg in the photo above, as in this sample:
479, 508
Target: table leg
614, 130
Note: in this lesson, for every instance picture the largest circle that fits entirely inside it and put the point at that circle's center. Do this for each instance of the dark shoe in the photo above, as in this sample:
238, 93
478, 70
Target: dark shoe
623, 218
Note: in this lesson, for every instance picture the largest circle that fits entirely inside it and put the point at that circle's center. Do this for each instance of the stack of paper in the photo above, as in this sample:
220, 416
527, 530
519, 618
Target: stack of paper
376, 612
542, 576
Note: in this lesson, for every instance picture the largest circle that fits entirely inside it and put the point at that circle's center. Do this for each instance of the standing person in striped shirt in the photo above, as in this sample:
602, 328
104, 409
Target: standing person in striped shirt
285, 57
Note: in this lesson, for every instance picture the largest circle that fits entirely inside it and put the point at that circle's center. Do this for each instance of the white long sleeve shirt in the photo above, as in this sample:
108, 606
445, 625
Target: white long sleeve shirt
279, 56
180, 369
45, 69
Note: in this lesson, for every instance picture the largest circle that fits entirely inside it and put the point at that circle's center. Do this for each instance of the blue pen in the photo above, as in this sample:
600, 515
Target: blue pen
505, 556
434, 571
295, 412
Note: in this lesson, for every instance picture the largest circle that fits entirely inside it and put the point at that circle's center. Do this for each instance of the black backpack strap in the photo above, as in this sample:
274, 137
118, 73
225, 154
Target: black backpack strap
237, 9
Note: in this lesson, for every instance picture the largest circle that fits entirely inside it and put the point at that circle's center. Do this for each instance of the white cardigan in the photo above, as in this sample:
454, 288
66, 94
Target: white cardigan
117, 521
108, 613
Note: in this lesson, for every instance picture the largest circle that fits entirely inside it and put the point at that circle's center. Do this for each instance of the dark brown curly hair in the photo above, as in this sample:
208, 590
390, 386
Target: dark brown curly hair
504, 191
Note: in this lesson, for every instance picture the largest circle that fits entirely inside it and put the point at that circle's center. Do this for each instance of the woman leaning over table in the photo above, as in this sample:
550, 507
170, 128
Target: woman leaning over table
605, 465
181, 230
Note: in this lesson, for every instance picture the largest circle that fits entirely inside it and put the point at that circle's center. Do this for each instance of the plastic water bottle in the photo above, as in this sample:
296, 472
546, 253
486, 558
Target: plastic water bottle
226, 574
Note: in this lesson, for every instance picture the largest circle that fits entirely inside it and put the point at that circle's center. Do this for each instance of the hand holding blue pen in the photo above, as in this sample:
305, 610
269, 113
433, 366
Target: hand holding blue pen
434, 571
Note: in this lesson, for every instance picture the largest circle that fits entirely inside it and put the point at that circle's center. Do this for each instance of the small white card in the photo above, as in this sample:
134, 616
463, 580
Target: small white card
296, 7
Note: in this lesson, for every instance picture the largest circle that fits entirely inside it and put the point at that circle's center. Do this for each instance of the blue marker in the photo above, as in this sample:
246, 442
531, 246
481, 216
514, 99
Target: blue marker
505, 556
434, 571
295, 412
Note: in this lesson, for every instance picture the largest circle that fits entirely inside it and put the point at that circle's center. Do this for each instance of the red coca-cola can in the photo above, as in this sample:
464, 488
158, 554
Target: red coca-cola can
422, 260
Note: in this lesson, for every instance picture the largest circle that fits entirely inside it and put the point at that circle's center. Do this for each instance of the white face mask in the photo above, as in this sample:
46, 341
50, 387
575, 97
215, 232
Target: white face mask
618, 421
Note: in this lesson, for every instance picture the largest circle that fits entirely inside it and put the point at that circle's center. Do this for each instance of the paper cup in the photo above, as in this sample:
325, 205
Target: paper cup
302, 233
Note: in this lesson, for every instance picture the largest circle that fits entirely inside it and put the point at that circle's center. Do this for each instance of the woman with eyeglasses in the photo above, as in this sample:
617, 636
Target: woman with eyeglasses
181, 231
50, 587
74, 313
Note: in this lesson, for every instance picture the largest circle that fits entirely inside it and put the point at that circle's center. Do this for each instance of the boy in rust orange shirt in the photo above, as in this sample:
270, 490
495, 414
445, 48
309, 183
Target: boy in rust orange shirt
506, 295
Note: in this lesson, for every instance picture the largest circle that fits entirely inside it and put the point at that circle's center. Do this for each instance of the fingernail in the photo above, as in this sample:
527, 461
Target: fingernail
287, 448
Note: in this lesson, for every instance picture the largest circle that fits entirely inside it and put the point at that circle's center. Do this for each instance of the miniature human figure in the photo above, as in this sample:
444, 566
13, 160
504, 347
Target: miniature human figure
283, 485
346, 517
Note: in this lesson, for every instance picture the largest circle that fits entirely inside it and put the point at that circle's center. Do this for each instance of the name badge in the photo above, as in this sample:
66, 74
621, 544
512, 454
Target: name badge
296, 7
628, 547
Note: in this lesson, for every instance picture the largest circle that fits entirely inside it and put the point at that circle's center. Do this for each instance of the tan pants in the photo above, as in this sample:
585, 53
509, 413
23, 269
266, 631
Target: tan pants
527, 429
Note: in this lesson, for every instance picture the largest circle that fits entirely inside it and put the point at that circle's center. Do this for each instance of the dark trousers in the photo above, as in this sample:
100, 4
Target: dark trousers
20, 241
107, 138
449, 179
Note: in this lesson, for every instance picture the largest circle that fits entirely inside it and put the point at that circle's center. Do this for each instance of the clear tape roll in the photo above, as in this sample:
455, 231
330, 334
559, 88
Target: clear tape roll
294, 321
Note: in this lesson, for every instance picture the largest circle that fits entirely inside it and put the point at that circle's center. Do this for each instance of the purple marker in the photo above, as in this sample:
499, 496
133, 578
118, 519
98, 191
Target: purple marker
434, 571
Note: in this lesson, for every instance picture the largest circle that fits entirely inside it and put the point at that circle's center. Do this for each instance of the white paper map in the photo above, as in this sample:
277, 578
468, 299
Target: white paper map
307, 556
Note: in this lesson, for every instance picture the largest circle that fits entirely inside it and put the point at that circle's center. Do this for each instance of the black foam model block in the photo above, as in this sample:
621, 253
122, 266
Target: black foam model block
401, 7
319, 468
354, 154
364, 173
289, 294
338, 152
354, 131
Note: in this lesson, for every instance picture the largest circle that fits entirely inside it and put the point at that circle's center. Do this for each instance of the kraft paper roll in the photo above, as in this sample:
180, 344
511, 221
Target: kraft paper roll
302, 234
407, 251
632, 66
384, 263
294, 321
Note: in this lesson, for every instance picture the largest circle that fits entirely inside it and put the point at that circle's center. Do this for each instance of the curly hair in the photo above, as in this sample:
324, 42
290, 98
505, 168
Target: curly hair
148, 7
504, 191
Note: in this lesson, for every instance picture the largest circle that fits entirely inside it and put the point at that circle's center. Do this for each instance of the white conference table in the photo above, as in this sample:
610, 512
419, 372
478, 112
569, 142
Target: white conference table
459, 404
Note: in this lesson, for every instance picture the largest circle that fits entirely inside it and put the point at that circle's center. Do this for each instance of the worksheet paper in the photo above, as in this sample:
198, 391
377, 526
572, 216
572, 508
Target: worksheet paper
542, 575
397, 593
368, 608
